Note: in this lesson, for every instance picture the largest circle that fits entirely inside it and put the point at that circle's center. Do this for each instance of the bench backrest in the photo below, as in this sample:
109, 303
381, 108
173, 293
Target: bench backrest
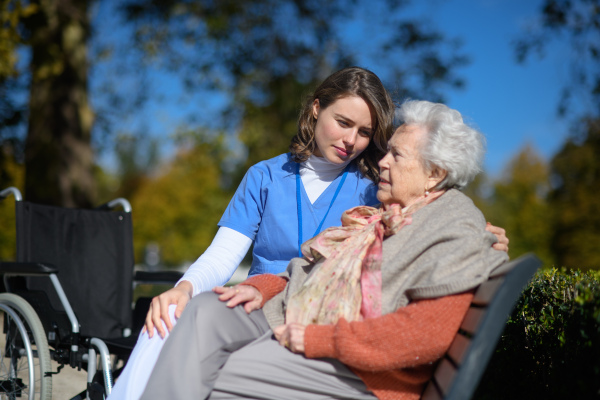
458, 373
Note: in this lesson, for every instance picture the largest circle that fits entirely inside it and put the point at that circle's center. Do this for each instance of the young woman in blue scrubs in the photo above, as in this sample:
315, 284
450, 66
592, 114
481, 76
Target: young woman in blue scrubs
343, 130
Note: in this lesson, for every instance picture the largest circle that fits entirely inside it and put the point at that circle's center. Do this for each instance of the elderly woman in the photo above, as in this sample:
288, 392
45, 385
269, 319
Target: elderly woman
370, 307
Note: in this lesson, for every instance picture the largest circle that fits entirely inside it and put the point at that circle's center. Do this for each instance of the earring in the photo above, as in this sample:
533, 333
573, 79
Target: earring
426, 192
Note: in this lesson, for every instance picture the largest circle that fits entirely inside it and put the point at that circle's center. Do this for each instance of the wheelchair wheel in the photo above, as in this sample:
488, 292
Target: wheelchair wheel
24, 357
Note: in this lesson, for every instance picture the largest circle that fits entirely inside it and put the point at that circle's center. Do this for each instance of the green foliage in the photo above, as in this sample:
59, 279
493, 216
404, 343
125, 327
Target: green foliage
480, 191
575, 173
267, 130
520, 205
550, 348
136, 156
11, 174
517, 202
179, 209
11, 14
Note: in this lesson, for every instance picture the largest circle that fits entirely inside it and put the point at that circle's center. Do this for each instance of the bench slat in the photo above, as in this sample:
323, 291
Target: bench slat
444, 375
486, 291
458, 348
472, 319
431, 392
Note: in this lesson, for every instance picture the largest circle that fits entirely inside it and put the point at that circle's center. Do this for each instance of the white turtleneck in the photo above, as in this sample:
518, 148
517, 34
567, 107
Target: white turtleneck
228, 248
317, 173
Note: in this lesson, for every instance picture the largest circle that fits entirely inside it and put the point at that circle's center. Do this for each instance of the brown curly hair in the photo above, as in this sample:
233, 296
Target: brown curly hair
351, 81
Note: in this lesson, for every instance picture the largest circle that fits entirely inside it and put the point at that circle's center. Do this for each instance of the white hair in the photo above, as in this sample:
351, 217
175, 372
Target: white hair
451, 144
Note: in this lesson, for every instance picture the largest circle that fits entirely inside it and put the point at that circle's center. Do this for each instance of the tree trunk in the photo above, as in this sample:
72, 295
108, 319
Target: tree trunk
58, 156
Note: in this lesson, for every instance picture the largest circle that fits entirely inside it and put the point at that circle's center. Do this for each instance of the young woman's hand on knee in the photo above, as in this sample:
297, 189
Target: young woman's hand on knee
240, 294
159, 308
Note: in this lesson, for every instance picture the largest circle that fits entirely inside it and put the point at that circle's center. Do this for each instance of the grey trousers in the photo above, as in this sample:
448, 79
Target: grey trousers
221, 353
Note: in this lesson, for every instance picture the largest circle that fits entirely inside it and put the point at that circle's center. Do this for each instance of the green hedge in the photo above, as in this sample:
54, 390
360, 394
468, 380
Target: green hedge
550, 348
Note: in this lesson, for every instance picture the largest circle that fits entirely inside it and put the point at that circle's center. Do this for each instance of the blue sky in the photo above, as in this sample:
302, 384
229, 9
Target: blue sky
512, 104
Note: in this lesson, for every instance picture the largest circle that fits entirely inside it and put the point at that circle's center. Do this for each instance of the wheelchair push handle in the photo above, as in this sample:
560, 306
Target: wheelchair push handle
124, 203
11, 190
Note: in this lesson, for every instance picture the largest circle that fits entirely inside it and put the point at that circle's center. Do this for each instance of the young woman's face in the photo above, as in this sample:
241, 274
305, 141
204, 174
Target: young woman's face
343, 129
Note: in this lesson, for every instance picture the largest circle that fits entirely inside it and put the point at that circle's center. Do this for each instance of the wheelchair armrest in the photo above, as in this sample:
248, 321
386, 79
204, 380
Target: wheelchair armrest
27, 268
158, 277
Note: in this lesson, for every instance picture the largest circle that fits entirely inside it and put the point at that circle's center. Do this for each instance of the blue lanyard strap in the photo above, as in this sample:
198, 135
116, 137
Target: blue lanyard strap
299, 204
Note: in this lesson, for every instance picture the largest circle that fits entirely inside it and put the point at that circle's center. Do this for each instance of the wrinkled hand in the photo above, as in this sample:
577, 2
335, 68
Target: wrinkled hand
500, 233
240, 294
159, 308
291, 336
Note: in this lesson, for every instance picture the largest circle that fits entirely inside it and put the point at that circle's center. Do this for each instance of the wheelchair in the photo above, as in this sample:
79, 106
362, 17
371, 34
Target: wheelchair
69, 297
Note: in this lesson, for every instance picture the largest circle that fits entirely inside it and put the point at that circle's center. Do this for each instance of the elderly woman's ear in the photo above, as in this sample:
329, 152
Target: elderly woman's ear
435, 177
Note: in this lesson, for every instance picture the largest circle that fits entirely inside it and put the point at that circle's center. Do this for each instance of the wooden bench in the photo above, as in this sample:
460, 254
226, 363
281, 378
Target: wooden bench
457, 375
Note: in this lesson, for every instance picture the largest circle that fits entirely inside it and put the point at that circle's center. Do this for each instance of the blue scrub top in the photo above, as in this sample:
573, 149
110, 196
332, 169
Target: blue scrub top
264, 208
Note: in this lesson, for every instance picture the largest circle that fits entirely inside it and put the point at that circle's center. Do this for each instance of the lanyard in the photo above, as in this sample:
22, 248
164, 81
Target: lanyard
299, 204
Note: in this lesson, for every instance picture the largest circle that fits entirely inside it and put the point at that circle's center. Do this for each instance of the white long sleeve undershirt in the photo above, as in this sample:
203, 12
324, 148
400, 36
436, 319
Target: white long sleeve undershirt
220, 260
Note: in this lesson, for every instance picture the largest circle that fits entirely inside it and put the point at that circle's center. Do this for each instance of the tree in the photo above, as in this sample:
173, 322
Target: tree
577, 21
241, 51
574, 170
11, 113
266, 54
137, 157
575, 174
266, 130
480, 191
519, 205
179, 209
58, 157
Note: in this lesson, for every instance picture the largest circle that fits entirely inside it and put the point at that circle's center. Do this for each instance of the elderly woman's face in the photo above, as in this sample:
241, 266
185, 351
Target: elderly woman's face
402, 176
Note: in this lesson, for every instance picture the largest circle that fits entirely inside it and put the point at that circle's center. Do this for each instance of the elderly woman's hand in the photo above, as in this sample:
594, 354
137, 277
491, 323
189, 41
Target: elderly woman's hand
291, 336
500, 233
240, 294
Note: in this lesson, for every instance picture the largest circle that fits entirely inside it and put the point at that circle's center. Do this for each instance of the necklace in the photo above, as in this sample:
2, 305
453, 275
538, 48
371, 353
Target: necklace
299, 204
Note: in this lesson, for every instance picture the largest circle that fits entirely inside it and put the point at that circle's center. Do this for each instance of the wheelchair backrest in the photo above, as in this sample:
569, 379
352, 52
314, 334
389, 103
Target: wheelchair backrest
93, 251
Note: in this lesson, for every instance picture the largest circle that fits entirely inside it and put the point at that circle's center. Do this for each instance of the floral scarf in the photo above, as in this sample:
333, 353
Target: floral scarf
347, 282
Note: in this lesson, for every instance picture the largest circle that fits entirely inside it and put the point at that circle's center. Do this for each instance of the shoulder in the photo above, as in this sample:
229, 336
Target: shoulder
271, 169
455, 205
452, 214
281, 163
